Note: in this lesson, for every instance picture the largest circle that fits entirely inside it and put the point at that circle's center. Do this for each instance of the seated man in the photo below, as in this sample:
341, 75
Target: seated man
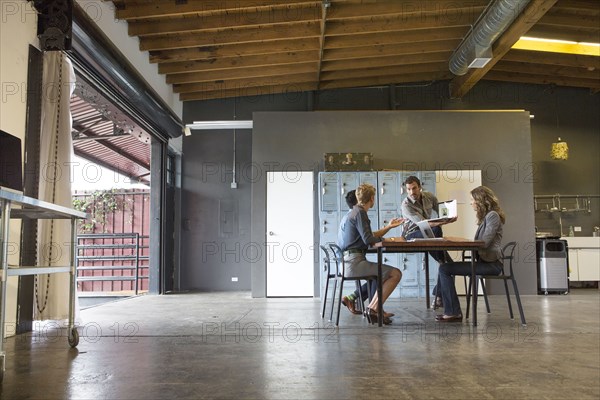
355, 236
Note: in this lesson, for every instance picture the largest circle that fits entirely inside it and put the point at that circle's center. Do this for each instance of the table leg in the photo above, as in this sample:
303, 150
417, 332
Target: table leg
73, 335
379, 289
4, 226
427, 290
475, 289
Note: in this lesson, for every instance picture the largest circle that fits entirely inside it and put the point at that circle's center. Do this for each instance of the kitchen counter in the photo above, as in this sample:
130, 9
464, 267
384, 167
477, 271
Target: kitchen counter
583, 242
584, 258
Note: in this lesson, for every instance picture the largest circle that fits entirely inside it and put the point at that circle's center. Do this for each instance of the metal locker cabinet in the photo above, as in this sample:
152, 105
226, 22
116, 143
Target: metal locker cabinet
348, 181
388, 190
434, 267
428, 181
328, 191
328, 226
409, 285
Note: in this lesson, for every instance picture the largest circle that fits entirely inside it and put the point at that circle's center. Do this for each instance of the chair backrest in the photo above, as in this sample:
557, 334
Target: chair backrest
338, 257
508, 254
326, 259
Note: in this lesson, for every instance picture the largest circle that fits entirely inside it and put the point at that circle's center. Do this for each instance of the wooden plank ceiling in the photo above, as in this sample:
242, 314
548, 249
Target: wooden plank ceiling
218, 49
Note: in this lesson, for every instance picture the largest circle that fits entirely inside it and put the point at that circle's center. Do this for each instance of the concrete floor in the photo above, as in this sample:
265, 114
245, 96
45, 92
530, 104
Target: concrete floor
230, 346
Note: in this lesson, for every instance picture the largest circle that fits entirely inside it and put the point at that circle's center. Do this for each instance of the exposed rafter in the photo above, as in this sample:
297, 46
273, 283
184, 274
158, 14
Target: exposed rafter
210, 50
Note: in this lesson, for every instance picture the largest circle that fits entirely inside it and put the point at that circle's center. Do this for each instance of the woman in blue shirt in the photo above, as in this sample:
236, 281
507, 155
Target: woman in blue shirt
355, 236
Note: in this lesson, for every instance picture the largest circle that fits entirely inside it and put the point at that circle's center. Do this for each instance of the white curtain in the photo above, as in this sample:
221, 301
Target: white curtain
52, 291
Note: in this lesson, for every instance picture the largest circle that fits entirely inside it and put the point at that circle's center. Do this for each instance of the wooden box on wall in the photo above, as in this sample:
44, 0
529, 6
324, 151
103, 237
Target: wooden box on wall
348, 162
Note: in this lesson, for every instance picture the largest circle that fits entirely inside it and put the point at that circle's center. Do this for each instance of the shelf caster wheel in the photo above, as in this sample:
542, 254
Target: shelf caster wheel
73, 337
546, 293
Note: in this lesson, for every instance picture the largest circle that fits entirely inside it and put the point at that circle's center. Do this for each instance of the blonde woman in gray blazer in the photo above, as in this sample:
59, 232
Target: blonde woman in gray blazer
490, 219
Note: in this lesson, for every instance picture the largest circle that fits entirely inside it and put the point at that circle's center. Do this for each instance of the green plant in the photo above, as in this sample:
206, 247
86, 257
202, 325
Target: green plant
98, 204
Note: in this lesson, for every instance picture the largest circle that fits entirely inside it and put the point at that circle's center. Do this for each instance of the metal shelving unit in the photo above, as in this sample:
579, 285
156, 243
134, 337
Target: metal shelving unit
16, 206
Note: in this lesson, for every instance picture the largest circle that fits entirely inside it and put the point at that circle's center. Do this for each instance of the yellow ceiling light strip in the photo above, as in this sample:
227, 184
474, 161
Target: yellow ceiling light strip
557, 46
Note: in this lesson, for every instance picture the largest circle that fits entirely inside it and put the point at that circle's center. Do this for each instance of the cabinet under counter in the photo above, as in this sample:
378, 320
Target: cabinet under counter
584, 258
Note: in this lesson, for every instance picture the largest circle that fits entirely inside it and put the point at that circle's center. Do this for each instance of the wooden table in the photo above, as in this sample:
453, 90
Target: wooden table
399, 245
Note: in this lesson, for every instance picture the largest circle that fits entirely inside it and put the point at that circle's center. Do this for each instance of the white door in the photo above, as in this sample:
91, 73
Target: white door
290, 213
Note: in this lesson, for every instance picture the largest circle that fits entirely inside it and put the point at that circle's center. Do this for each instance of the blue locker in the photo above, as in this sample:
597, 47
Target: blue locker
388, 190
428, 181
409, 285
328, 191
348, 181
434, 267
328, 226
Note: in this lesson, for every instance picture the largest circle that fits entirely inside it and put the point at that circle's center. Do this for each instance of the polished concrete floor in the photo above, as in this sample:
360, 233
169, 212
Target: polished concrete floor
230, 346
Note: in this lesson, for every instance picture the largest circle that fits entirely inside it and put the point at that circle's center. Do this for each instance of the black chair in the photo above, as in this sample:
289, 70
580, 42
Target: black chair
339, 259
329, 276
507, 256
466, 256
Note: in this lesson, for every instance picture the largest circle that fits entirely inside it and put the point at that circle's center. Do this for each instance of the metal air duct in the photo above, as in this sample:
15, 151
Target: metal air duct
496, 18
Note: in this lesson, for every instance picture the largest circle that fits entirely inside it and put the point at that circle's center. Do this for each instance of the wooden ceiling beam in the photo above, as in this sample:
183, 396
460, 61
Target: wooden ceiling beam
541, 57
222, 63
407, 36
393, 70
544, 69
535, 10
390, 50
399, 23
373, 62
323, 25
234, 50
403, 8
586, 6
541, 79
245, 83
222, 22
170, 8
572, 33
571, 20
292, 91
249, 35
243, 73
387, 80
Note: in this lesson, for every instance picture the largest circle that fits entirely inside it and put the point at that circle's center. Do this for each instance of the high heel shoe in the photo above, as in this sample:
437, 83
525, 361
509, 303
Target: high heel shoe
372, 317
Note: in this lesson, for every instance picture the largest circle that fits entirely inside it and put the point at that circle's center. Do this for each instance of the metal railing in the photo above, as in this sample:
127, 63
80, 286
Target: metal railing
89, 245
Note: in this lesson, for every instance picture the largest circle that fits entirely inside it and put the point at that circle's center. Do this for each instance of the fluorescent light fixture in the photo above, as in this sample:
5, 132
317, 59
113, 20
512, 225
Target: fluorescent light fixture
557, 46
235, 124
547, 40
